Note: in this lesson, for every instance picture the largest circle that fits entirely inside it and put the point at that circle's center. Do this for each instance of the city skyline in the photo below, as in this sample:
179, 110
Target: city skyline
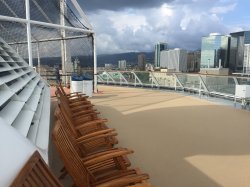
136, 26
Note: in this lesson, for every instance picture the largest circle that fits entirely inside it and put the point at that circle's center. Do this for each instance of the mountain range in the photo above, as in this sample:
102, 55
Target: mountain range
87, 61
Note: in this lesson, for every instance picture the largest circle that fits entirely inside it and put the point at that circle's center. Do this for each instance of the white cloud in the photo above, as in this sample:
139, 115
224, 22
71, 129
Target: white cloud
121, 21
166, 10
223, 9
181, 24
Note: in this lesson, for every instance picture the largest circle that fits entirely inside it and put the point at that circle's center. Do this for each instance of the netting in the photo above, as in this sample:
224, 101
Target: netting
50, 46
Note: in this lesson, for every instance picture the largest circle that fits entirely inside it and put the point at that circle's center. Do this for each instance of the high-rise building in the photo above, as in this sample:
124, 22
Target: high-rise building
193, 61
246, 62
122, 64
215, 51
158, 48
141, 62
108, 66
238, 41
175, 59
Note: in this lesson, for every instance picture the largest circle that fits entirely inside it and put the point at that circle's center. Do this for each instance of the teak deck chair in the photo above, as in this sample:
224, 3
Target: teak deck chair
84, 172
83, 124
36, 173
120, 161
79, 104
71, 95
101, 139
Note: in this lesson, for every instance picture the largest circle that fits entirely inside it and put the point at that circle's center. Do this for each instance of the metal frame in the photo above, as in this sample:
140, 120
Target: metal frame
62, 27
154, 80
122, 77
202, 85
136, 78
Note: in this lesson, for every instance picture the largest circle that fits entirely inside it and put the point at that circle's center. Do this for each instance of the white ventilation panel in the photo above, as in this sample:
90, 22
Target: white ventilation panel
24, 98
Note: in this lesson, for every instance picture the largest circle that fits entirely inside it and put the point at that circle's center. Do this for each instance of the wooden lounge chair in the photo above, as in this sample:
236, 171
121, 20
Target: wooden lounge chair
36, 173
78, 114
86, 153
85, 173
74, 106
89, 119
100, 139
89, 142
71, 95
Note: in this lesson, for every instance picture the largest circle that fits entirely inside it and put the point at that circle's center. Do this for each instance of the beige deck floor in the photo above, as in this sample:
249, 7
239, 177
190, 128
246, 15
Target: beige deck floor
179, 140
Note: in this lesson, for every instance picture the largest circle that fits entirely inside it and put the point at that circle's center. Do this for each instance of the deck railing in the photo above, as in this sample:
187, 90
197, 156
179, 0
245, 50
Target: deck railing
223, 86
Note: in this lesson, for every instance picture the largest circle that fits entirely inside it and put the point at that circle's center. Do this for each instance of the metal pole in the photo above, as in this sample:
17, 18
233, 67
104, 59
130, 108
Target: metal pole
38, 59
95, 63
63, 49
27, 6
50, 25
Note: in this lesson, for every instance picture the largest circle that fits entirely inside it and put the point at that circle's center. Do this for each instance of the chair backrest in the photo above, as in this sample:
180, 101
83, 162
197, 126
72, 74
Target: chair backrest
63, 101
71, 133
60, 87
69, 156
62, 115
36, 173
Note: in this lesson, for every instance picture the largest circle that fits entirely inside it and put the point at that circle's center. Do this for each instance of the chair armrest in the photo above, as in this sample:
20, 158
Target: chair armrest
85, 118
98, 137
107, 156
90, 123
76, 94
102, 152
81, 113
94, 134
81, 107
79, 102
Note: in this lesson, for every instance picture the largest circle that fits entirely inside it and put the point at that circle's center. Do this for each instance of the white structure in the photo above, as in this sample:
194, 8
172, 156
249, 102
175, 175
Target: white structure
242, 91
149, 67
15, 152
108, 66
158, 48
24, 100
174, 59
246, 63
122, 64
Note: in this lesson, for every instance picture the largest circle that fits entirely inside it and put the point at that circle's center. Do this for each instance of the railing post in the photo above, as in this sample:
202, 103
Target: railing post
27, 6
38, 59
95, 63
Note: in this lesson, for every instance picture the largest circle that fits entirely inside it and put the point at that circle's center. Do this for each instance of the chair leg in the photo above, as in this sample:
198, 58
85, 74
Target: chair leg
63, 173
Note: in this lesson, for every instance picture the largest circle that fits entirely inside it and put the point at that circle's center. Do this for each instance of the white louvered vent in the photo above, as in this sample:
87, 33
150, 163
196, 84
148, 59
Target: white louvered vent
24, 98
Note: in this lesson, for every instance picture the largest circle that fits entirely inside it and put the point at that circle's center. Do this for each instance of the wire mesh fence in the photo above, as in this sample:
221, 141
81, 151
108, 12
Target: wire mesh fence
51, 47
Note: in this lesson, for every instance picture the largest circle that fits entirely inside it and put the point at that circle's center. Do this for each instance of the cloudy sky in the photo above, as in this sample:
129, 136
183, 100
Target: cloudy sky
136, 25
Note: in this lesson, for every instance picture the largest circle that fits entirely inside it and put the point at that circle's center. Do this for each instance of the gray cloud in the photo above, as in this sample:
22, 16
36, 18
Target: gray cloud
180, 23
93, 5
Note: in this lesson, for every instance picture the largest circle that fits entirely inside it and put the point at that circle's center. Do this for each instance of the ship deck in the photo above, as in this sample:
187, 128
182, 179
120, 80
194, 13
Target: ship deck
178, 140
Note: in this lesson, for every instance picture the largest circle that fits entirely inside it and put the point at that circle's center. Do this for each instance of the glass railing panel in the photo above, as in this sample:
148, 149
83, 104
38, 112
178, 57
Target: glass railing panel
164, 79
224, 85
116, 76
104, 76
189, 81
243, 80
144, 77
129, 76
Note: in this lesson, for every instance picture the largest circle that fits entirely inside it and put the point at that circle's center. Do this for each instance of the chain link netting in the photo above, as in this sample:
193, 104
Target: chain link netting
49, 45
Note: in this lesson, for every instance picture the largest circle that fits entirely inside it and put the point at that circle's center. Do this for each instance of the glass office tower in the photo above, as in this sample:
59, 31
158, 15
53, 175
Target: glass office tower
238, 41
215, 51
158, 48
